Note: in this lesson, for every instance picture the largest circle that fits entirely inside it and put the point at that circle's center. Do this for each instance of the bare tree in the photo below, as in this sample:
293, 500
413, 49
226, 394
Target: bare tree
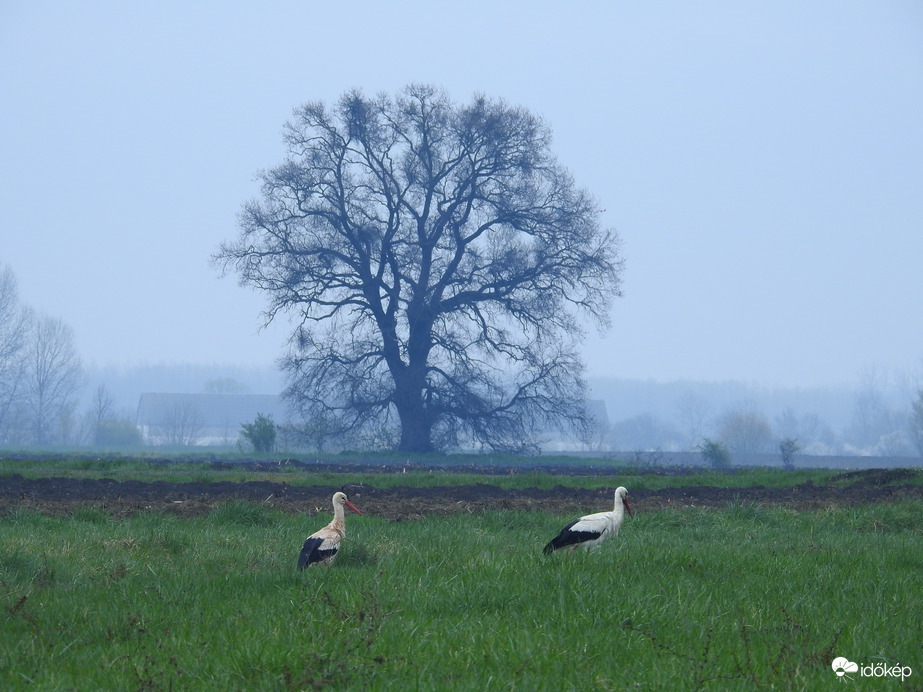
874, 428
14, 336
746, 430
54, 375
438, 261
916, 422
101, 410
181, 425
694, 411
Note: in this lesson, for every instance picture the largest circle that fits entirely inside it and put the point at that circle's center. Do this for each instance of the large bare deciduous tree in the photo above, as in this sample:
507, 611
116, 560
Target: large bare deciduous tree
440, 265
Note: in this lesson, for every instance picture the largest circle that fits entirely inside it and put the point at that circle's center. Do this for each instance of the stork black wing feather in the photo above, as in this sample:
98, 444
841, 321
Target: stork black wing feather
310, 552
568, 537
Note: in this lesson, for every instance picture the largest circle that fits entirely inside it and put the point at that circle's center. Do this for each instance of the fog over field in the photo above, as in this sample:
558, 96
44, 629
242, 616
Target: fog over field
869, 418
761, 163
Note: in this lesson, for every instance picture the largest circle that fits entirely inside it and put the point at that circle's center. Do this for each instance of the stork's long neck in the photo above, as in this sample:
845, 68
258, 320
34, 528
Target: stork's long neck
619, 509
339, 518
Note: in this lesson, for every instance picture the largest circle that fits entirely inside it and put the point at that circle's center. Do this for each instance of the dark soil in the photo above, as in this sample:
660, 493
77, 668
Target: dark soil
60, 496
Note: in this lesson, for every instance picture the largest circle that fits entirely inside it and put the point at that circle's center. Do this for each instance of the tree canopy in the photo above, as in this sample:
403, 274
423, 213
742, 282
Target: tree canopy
440, 266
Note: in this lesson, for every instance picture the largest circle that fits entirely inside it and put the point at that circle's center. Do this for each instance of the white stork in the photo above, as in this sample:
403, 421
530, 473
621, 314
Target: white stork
322, 546
593, 529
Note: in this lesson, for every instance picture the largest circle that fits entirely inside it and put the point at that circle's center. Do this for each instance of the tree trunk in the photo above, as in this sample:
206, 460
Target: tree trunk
416, 424
410, 381
415, 434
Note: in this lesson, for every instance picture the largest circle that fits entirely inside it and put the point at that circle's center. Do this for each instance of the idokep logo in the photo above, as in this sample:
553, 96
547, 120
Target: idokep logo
843, 667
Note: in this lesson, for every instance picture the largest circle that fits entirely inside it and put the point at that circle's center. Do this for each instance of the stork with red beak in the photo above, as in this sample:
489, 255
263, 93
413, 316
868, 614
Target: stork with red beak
322, 546
591, 530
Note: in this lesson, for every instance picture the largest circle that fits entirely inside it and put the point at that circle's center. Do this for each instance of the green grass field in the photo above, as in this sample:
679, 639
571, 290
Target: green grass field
737, 598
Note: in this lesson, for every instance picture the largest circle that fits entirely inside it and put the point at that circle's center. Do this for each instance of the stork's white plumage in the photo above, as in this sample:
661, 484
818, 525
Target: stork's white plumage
591, 530
322, 546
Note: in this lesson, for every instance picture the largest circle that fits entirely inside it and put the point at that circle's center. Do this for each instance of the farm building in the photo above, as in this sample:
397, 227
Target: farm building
202, 419
216, 419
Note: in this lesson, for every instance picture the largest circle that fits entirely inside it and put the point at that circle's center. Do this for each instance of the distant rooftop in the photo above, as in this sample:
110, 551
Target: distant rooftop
213, 410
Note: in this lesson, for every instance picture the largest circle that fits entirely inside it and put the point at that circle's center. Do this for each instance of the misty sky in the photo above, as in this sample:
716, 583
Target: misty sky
762, 161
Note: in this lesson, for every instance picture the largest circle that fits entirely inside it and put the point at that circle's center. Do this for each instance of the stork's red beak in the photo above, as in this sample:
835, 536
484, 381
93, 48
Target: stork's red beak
625, 501
353, 508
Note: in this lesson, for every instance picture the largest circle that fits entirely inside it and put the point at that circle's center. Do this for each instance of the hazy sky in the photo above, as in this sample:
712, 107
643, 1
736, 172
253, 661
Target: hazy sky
762, 161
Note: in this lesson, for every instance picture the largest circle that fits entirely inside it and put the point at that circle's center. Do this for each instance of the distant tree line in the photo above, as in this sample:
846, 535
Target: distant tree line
41, 378
875, 429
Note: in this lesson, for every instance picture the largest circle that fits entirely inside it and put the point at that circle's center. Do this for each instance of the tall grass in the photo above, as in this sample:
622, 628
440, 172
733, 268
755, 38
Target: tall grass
683, 599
